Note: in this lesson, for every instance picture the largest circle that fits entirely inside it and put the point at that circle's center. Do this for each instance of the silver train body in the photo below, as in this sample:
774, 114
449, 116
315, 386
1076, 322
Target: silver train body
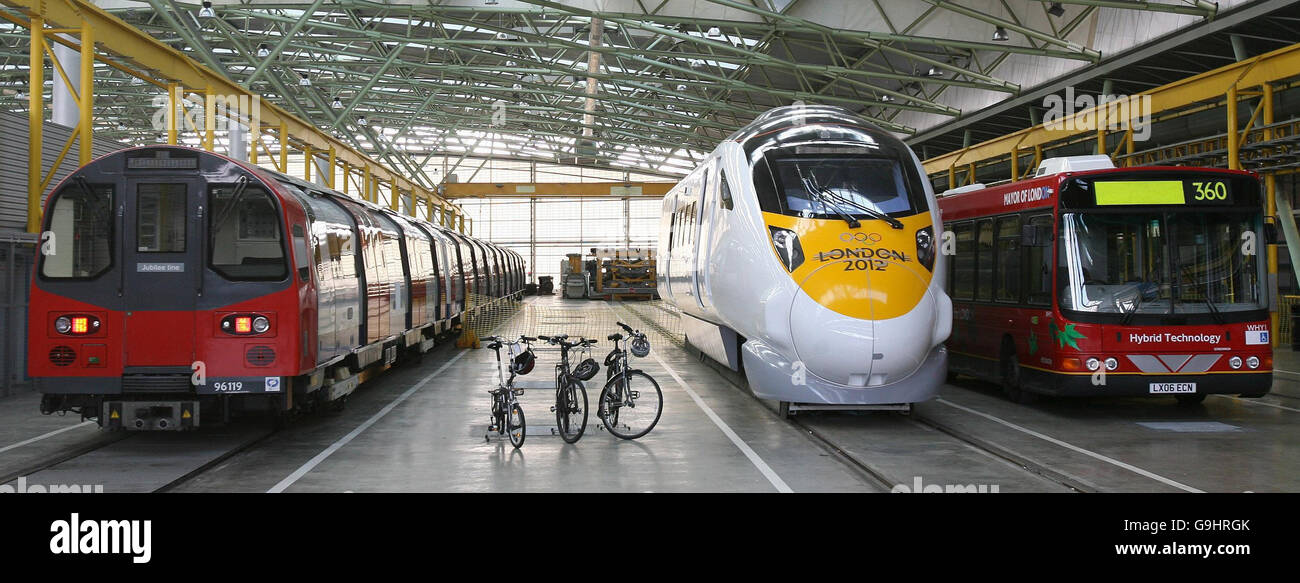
804, 251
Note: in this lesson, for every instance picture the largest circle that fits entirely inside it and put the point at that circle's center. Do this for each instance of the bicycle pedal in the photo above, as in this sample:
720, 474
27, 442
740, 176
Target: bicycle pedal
552, 408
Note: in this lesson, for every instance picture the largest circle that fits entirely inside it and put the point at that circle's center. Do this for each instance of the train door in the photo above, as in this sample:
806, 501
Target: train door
667, 264
703, 233
162, 275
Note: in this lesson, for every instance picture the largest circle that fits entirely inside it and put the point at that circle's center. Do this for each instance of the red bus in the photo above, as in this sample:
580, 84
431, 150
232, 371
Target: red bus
1093, 280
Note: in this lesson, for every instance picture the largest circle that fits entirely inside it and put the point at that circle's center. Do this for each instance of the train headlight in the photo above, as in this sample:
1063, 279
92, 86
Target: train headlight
1252, 362
925, 247
261, 325
76, 325
1111, 363
246, 324
787, 247
1092, 363
1234, 362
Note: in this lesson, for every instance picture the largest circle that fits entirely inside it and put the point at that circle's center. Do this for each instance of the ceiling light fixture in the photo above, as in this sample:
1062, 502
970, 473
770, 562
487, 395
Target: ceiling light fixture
1055, 9
337, 104
263, 51
207, 11
1000, 34
934, 72
304, 81
362, 120
714, 33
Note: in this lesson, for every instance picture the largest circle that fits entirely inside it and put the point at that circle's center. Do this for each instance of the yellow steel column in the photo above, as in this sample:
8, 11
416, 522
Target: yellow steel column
395, 196
209, 119
365, 184
35, 121
254, 140
1270, 193
284, 148
307, 154
428, 208
347, 175
173, 89
87, 93
329, 180
1234, 161
952, 177
1129, 148
1015, 164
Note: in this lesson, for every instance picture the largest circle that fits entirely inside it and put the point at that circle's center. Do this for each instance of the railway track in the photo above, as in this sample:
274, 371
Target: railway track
125, 462
868, 469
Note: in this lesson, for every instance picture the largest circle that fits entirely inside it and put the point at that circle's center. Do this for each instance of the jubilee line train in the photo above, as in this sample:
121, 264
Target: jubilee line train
1087, 279
175, 284
803, 251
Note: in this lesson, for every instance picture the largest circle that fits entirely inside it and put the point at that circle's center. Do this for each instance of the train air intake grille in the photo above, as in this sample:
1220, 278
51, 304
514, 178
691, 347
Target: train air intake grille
260, 356
62, 355
155, 383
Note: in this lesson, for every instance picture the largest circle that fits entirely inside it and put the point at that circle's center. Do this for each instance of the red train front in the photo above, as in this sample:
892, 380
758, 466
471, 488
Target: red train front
175, 283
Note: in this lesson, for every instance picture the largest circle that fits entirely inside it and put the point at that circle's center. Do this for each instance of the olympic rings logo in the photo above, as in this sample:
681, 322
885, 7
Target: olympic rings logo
860, 237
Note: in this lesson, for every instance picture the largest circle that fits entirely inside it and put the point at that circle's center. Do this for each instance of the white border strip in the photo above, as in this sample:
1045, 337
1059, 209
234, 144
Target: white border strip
1076, 448
758, 462
1248, 402
40, 437
320, 457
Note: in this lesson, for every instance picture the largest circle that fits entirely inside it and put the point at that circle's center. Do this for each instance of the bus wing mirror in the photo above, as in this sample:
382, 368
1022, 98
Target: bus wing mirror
1270, 231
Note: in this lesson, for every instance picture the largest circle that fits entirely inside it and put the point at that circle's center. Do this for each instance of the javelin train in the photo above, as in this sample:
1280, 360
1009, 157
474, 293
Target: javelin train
175, 282
803, 251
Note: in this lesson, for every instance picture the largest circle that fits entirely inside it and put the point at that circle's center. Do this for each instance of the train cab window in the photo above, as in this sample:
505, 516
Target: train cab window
80, 227
1037, 271
160, 218
804, 182
725, 199
1008, 260
244, 233
984, 264
963, 286
301, 255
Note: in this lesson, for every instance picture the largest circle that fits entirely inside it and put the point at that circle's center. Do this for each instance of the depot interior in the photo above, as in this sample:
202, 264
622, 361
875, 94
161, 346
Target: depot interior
555, 129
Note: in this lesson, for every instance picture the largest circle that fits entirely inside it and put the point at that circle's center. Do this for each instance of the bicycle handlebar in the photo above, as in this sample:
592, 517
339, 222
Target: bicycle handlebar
625, 327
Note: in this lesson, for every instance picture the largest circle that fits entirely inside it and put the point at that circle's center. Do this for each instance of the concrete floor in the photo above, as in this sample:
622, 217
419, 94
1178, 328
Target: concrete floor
420, 428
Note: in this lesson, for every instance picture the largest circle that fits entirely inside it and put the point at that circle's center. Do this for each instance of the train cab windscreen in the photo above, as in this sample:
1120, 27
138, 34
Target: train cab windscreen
245, 242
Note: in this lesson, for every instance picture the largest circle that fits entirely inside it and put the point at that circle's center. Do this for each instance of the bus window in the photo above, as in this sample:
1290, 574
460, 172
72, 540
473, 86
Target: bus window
963, 287
1008, 258
1037, 267
984, 277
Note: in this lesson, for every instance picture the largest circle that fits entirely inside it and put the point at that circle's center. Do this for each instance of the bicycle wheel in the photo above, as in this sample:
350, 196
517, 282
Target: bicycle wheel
516, 426
630, 405
571, 411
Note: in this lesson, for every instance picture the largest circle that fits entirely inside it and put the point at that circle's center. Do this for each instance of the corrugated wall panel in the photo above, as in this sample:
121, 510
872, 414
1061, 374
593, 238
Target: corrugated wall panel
13, 171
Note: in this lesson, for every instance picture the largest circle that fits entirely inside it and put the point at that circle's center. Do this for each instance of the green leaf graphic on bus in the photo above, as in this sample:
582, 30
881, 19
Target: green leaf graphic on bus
1067, 336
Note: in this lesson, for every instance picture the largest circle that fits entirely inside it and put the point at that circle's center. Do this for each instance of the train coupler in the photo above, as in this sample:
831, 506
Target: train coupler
151, 415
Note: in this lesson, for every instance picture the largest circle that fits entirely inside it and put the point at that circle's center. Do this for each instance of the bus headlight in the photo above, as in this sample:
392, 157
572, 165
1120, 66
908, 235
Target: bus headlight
925, 247
1092, 363
1252, 362
1234, 362
1111, 363
261, 325
787, 247
63, 325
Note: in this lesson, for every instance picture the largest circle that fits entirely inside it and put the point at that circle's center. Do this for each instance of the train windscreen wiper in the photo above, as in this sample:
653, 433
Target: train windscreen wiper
819, 193
875, 214
236, 196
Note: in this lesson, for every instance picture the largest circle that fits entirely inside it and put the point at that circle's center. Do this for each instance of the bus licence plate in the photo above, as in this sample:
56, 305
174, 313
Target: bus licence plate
1170, 388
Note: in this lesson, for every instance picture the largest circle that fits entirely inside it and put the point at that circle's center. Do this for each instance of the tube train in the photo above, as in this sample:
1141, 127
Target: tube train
174, 282
802, 251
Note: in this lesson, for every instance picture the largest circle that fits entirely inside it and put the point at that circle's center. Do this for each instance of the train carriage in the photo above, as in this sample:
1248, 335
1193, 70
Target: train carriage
178, 284
802, 252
